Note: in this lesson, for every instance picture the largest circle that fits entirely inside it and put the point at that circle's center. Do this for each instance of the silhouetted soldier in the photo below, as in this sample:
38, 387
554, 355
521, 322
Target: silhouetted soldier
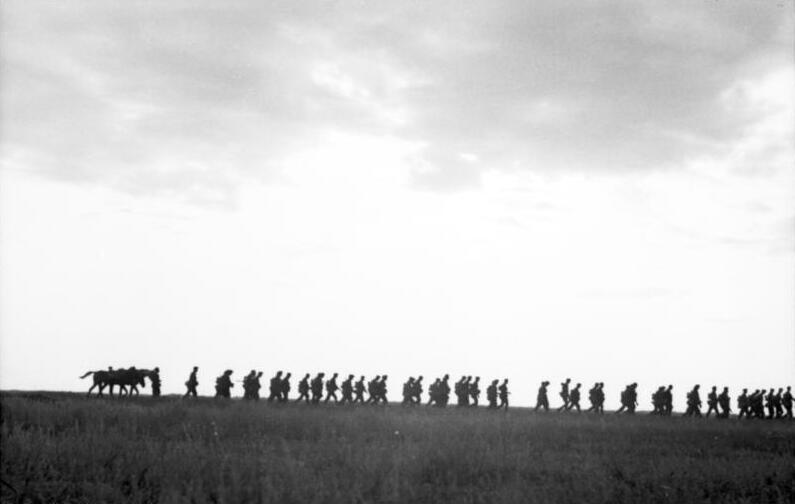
372, 389
380, 391
574, 397
770, 402
542, 401
657, 401
407, 391
317, 387
192, 383
275, 387
416, 391
504, 394
668, 401
786, 401
303, 389
460, 391
359, 389
778, 403
629, 399
331, 388
592, 396
564, 394
742, 404
256, 385
154, 377
347, 390
693, 402
491, 394
223, 385
433, 392
247, 381
444, 391
284, 389
474, 391
757, 403
725, 403
712, 401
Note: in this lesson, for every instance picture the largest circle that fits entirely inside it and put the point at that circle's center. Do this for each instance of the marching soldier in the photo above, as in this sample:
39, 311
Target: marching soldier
359, 389
275, 387
629, 399
192, 383
504, 395
347, 390
416, 391
786, 401
725, 403
564, 394
284, 389
331, 388
491, 394
574, 398
303, 389
693, 402
154, 377
742, 404
668, 401
247, 384
474, 391
223, 385
372, 389
408, 388
542, 401
316, 386
712, 401
433, 392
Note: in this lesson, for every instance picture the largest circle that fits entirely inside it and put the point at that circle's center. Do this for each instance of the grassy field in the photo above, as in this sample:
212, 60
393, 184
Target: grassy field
65, 448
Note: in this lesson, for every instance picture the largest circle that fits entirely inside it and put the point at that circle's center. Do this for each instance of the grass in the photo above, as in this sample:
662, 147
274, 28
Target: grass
65, 448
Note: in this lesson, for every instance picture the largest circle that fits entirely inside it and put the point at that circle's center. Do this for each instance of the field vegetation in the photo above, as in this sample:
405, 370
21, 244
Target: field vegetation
66, 448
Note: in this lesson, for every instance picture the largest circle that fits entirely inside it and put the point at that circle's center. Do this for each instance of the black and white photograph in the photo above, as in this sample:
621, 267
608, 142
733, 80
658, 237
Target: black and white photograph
397, 251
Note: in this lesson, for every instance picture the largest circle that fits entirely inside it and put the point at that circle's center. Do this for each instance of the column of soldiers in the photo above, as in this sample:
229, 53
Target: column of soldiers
771, 404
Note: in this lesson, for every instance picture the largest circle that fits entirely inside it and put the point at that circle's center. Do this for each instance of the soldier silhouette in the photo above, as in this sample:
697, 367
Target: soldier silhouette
564, 394
504, 395
192, 383
444, 391
303, 389
542, 401
359, 389
629, 399
347, 390
742, 404
433, 392
725, 403
416, 391
574, 398
317, 387
657, 401
407, 391
285, 387
380, 391
491, 394
154, 377
592, 396
331, 388
248, 381
256, 386
778, 404
474, 391
693, 402
786, 401
458, 388
668, 400
712, 401
223, 385
275, 387
372, 389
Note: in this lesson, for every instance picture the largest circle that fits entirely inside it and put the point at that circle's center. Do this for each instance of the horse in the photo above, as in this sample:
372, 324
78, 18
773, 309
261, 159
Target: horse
122, 377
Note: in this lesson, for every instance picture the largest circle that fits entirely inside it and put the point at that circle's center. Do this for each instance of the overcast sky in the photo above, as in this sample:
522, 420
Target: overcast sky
531, 190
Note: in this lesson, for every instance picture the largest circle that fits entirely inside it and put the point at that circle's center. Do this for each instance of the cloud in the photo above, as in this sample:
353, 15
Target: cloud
194, 98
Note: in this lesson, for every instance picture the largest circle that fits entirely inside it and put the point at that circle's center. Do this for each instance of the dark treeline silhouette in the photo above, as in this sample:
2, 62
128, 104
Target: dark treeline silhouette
770, 404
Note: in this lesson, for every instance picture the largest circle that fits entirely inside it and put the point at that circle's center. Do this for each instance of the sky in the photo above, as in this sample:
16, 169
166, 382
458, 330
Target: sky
596, 190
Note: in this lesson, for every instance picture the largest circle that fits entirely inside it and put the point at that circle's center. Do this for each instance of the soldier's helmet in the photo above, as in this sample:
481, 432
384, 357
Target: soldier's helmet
350, 377
278, 373
714, 387
494, 382
195, 368
156, 370
383, 377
